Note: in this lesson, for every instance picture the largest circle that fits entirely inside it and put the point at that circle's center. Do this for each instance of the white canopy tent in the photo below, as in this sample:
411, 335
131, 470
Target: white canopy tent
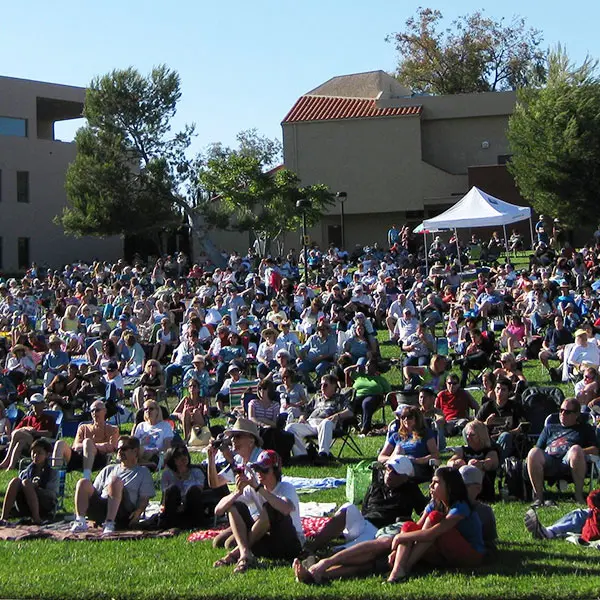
478, 209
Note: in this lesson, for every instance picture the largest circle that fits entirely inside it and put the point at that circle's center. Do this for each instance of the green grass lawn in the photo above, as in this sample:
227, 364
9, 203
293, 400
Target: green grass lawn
174, 568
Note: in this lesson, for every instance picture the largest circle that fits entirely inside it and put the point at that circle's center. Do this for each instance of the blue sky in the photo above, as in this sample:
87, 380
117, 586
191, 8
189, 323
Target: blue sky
242, 64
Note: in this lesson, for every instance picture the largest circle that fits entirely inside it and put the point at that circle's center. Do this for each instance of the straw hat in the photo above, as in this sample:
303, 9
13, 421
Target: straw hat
266, 331
243, 425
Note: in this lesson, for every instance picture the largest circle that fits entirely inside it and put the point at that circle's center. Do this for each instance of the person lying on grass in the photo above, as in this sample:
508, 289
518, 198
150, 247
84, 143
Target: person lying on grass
120, 492
448, 534
277, 531
33, 492
392, 497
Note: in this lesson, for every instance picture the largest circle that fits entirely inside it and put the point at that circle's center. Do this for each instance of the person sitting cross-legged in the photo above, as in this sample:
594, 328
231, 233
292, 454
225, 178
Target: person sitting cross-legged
561, 450
94, 442
120, 492
277, 532
34, 490
328, 410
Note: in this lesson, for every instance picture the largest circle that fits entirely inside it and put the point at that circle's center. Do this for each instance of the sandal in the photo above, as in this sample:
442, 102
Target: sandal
243, 564
226, 561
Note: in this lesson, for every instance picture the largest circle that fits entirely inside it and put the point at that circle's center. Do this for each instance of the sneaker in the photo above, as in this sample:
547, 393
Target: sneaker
533, 525
79, 526
109, 527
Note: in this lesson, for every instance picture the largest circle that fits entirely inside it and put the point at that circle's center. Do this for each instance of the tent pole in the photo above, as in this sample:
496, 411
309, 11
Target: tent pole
506, 244
426, 253
457, 249
531, 231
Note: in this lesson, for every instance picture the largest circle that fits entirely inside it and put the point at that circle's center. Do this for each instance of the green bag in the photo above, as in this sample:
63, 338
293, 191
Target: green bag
358, 480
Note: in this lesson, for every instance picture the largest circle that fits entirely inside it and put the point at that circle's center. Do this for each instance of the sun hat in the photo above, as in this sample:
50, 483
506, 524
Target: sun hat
243, 425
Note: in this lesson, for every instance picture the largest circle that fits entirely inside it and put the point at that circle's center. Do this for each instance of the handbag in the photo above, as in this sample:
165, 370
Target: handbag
358, 480
199, 437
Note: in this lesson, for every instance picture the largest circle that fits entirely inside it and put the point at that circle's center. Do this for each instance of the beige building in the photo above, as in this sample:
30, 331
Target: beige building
33, 165
399, 157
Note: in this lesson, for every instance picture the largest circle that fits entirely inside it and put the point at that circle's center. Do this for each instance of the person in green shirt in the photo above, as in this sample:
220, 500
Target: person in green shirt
370, 388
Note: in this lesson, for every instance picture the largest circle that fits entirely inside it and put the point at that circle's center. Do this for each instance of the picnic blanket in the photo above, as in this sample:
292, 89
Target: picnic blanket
310, 525
308, 485
61, 531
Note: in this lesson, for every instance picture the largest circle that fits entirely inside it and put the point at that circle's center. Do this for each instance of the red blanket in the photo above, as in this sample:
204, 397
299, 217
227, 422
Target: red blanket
310, 525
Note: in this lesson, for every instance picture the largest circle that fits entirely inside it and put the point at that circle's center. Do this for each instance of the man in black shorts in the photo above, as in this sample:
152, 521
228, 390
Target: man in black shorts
554, 343
561, 451
120, 492
277, 530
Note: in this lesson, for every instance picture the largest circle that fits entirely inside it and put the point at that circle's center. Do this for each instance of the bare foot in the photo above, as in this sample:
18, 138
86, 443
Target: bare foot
303, 575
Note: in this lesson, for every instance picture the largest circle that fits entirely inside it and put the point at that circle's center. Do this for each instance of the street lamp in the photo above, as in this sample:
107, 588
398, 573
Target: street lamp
304, 204
342, 197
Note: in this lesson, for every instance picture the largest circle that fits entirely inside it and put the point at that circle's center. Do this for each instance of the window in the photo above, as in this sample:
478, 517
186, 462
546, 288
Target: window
1, 260
12, 126
503, 159
23, 252
22, 186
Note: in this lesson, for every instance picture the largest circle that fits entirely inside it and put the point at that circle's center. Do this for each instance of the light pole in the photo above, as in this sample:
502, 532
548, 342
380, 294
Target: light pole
342, 197
303, 204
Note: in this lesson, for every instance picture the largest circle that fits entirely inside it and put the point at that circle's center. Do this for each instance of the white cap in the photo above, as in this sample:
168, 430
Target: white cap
471, 475
402, 465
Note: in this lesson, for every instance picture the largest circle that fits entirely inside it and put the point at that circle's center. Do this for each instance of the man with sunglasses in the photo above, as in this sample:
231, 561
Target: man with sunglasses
120, 492
560, 452
93, 443
277, 530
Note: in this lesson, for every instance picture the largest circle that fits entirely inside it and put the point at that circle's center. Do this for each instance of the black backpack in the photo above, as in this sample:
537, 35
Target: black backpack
516, 480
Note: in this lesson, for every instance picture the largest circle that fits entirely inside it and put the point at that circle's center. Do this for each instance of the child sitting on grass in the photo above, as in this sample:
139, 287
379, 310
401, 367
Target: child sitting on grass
33, 492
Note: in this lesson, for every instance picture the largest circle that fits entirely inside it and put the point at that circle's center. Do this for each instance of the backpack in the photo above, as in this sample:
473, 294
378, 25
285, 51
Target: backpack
591, 527
516, 479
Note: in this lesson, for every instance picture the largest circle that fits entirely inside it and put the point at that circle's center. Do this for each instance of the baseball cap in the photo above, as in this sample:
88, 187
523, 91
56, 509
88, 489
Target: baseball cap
112, 365
402, 465
267, 459
233, 367
471, 475
36, 399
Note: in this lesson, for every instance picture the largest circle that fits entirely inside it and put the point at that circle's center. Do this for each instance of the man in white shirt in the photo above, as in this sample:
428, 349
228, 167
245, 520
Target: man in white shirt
396, 310
277, 531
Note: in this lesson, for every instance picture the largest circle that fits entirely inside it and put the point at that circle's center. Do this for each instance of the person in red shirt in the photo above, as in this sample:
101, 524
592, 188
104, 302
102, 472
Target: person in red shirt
455, 403
30, 428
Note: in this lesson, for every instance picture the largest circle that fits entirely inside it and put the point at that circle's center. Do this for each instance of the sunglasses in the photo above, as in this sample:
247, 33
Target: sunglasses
450, 382
260, 469
407, 417
124, 448
95, 410
566, 411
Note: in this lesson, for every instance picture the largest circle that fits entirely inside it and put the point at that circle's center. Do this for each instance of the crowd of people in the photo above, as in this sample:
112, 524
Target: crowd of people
288, 365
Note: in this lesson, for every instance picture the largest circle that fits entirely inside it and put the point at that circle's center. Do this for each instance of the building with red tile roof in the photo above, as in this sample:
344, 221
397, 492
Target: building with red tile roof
399, 157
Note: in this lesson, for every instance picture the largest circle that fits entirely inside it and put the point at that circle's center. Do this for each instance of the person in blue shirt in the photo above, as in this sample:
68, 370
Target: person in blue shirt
318, 353
56, 360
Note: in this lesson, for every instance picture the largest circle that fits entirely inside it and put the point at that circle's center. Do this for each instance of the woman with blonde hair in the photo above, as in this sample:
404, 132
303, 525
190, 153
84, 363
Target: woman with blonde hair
153, 378
481, 452
155, 435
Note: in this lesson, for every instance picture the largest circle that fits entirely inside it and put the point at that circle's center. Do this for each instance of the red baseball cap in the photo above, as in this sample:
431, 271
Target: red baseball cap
267, 459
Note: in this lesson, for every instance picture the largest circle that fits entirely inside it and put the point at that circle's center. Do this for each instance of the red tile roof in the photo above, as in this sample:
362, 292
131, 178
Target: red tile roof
322, 108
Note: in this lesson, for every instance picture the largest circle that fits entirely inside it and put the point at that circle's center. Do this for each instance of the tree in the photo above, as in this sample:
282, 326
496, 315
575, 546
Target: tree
554, 135
130, 169
250, 192
475, 54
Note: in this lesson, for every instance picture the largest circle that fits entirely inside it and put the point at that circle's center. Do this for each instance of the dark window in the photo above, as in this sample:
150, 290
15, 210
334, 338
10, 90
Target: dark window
504, 158
23, 252
414, 214
22, 186
12, 126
